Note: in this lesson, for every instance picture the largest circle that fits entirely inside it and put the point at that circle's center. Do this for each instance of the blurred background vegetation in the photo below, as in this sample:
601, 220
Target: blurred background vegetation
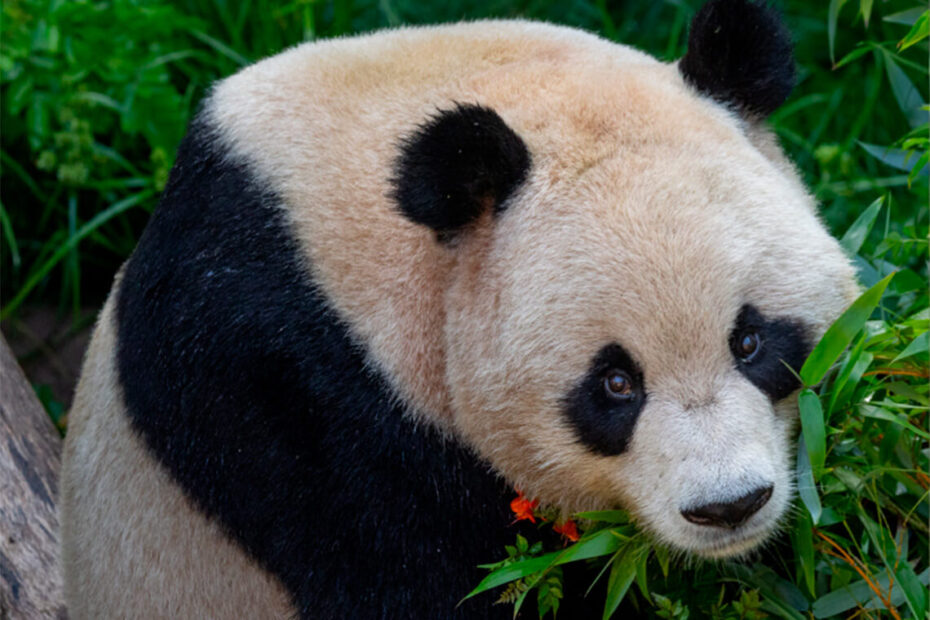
95, 96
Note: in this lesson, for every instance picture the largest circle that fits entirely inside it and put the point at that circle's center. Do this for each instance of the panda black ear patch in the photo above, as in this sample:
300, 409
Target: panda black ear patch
739, 53
459, 164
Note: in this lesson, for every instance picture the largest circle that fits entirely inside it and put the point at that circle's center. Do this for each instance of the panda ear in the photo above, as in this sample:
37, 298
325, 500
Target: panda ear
739, 53
459, 164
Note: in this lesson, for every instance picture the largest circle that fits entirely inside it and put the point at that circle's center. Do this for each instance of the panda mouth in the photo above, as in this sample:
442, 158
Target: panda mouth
731, 543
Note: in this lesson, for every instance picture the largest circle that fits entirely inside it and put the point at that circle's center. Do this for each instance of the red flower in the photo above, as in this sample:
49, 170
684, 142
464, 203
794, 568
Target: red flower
523, 508
568, 529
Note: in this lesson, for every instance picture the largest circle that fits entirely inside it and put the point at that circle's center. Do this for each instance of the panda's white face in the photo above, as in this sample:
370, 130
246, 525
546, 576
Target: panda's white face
619, 336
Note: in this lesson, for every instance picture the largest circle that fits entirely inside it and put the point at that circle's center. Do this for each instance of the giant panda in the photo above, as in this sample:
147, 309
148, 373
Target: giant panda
396, 276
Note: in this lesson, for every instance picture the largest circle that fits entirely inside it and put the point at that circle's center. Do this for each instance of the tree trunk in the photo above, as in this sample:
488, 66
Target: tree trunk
30, 449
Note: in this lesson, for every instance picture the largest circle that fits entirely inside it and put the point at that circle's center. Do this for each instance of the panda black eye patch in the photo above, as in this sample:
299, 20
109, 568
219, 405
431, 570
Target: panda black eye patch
604, 404
761, 347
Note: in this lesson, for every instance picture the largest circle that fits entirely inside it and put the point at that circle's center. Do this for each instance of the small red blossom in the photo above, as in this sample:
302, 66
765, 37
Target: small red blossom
568, 530
523, 508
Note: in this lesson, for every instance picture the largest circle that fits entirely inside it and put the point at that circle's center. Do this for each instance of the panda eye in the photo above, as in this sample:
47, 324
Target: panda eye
747, 345
618, 385
769, 352
605, 402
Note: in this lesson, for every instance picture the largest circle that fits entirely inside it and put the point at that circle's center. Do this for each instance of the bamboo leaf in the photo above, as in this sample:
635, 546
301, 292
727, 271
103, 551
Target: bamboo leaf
622, 574
920, 344
781, 594
606, 516
918, 32
807, 488
804, 546
841, 333
857, 233
915, 591
906, 94
517, 570
833, 13
908, 17
812, 426
860, 51
601, 543
859, 594
872, 411
865, 9
909, 161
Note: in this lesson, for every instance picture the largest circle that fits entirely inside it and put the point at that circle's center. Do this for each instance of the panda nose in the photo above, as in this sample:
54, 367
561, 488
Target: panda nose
730, 515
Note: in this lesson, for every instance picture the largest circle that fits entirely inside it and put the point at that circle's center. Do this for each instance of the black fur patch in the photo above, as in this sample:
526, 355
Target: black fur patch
740, 53
246, 386
458, 165
783, 341
601, 423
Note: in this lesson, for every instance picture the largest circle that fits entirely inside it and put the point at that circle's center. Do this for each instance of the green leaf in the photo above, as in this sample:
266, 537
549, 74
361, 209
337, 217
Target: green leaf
803, 536
878, 413
860, 51
642, 573
783, 595
850, 479
922, 167
61, 251
601, 543
856, 234
915, 591
833, 13
845, 392
606, 516
10, 237
908, 392
841, 333
920, 344
812, 426
512, 572
847, 372
909, 161
663, 558
807, 488
220, 47
918, 32
865, 9
622, 573
907, 18
908, 97
859, 593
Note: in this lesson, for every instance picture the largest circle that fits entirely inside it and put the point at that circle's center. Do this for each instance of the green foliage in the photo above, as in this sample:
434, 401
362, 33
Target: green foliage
94, 97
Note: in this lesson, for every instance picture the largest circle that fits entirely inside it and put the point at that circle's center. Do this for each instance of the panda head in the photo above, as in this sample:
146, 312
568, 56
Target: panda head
637, 275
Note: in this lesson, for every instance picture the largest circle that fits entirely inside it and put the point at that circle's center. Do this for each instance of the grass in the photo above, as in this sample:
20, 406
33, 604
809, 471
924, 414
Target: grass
94, 97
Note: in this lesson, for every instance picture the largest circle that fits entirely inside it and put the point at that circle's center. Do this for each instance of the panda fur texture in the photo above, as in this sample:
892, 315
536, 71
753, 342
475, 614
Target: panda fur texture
391, 278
